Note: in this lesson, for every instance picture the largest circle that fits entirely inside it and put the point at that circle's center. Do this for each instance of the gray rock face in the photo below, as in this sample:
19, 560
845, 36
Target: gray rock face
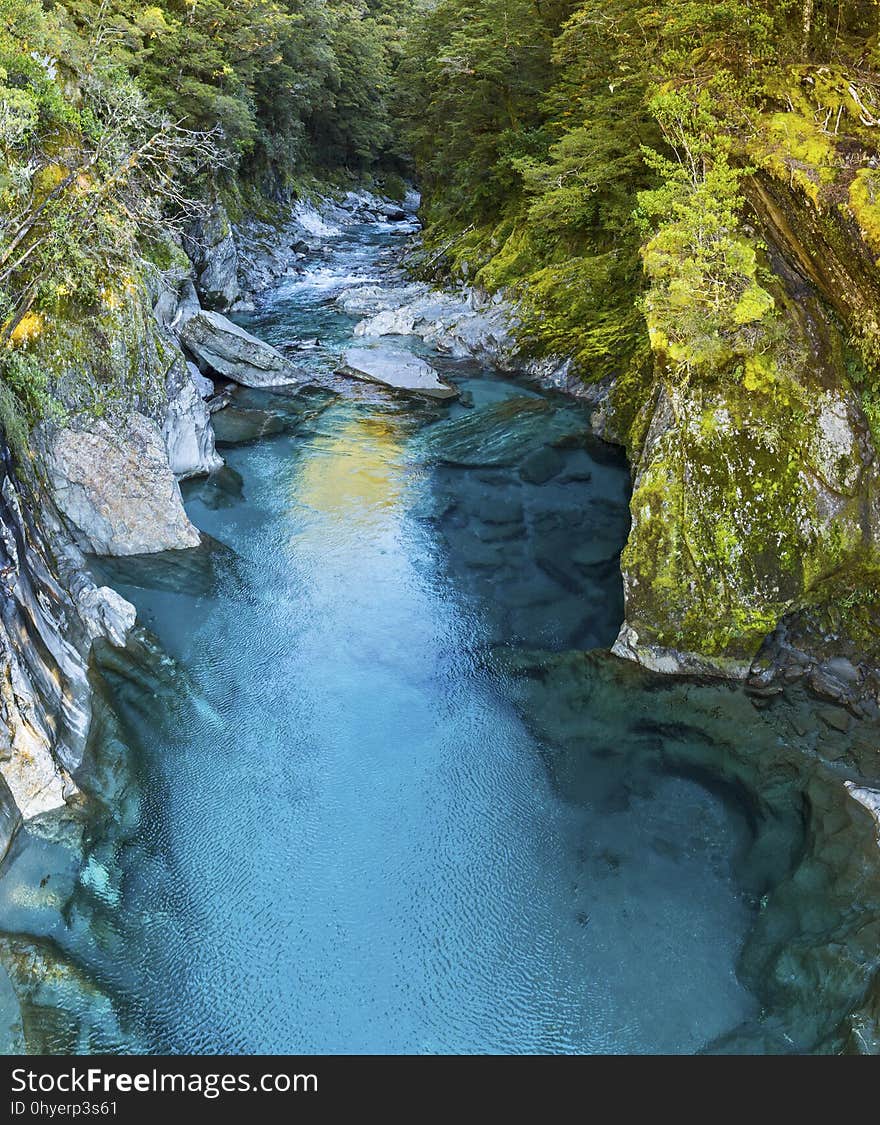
50, 613
223, 347
211, 248
264, 254
175, 306
369, 300
203, 385
187, 429
10, 817
117, 489
397, 369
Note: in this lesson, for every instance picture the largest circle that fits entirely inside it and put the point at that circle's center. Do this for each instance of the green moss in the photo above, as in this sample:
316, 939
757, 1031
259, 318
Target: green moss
859, 610
864, 202
842, 613
727, 534
794, 149
165, 255
512, 260
26, 398
760, 373
15, 424
631, 402
871, 406
752, 305
102, 360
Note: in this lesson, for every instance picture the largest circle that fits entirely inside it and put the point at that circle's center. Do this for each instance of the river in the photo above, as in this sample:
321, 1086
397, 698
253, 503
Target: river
375, 798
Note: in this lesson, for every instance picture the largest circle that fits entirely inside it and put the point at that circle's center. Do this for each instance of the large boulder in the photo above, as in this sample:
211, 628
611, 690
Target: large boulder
746, 507
368, 300
187, 429
392, 212
505, 433
224, 347
116, 488
389, 322
396, 369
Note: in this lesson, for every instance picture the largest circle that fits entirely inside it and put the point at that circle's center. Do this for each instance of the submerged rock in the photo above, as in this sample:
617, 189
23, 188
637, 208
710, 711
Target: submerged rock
235, 426
223, 489
506, 433
810, 855
195, 571
116, 488
396, 369
229, 350
542, 465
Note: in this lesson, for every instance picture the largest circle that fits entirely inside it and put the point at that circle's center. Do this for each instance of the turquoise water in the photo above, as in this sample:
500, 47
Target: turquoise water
368, 850
342, 820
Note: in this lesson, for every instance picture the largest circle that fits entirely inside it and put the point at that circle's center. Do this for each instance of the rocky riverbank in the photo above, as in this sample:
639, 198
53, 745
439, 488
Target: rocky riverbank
138, 387
111, 479
834, 478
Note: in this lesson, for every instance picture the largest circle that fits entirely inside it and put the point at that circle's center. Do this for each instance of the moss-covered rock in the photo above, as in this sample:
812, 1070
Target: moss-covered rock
745, 502
757, 495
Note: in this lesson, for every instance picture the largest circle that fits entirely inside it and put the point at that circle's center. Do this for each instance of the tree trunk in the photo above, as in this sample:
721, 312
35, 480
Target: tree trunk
806, 24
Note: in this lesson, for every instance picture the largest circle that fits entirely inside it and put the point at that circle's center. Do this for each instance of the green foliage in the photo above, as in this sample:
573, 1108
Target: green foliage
607, 162
471, 84
705, 306
286, 82
27, 380
118, 118
539, 131
92, 172
25, 398
871, 407
530, 161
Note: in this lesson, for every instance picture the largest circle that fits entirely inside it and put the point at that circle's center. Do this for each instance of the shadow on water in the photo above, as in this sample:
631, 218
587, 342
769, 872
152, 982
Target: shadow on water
366, 778
805, 859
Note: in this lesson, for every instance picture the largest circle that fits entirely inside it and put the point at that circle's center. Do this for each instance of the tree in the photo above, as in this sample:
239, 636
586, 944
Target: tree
90, 180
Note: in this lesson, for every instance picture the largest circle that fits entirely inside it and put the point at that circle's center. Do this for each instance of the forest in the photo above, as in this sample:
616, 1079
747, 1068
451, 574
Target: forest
636, 180
589, 157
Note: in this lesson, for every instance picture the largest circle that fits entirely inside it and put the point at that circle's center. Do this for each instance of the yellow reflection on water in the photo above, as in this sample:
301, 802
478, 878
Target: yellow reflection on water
357, 473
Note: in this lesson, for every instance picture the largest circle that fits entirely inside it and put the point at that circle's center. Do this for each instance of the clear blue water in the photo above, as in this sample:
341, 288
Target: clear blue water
343, 833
